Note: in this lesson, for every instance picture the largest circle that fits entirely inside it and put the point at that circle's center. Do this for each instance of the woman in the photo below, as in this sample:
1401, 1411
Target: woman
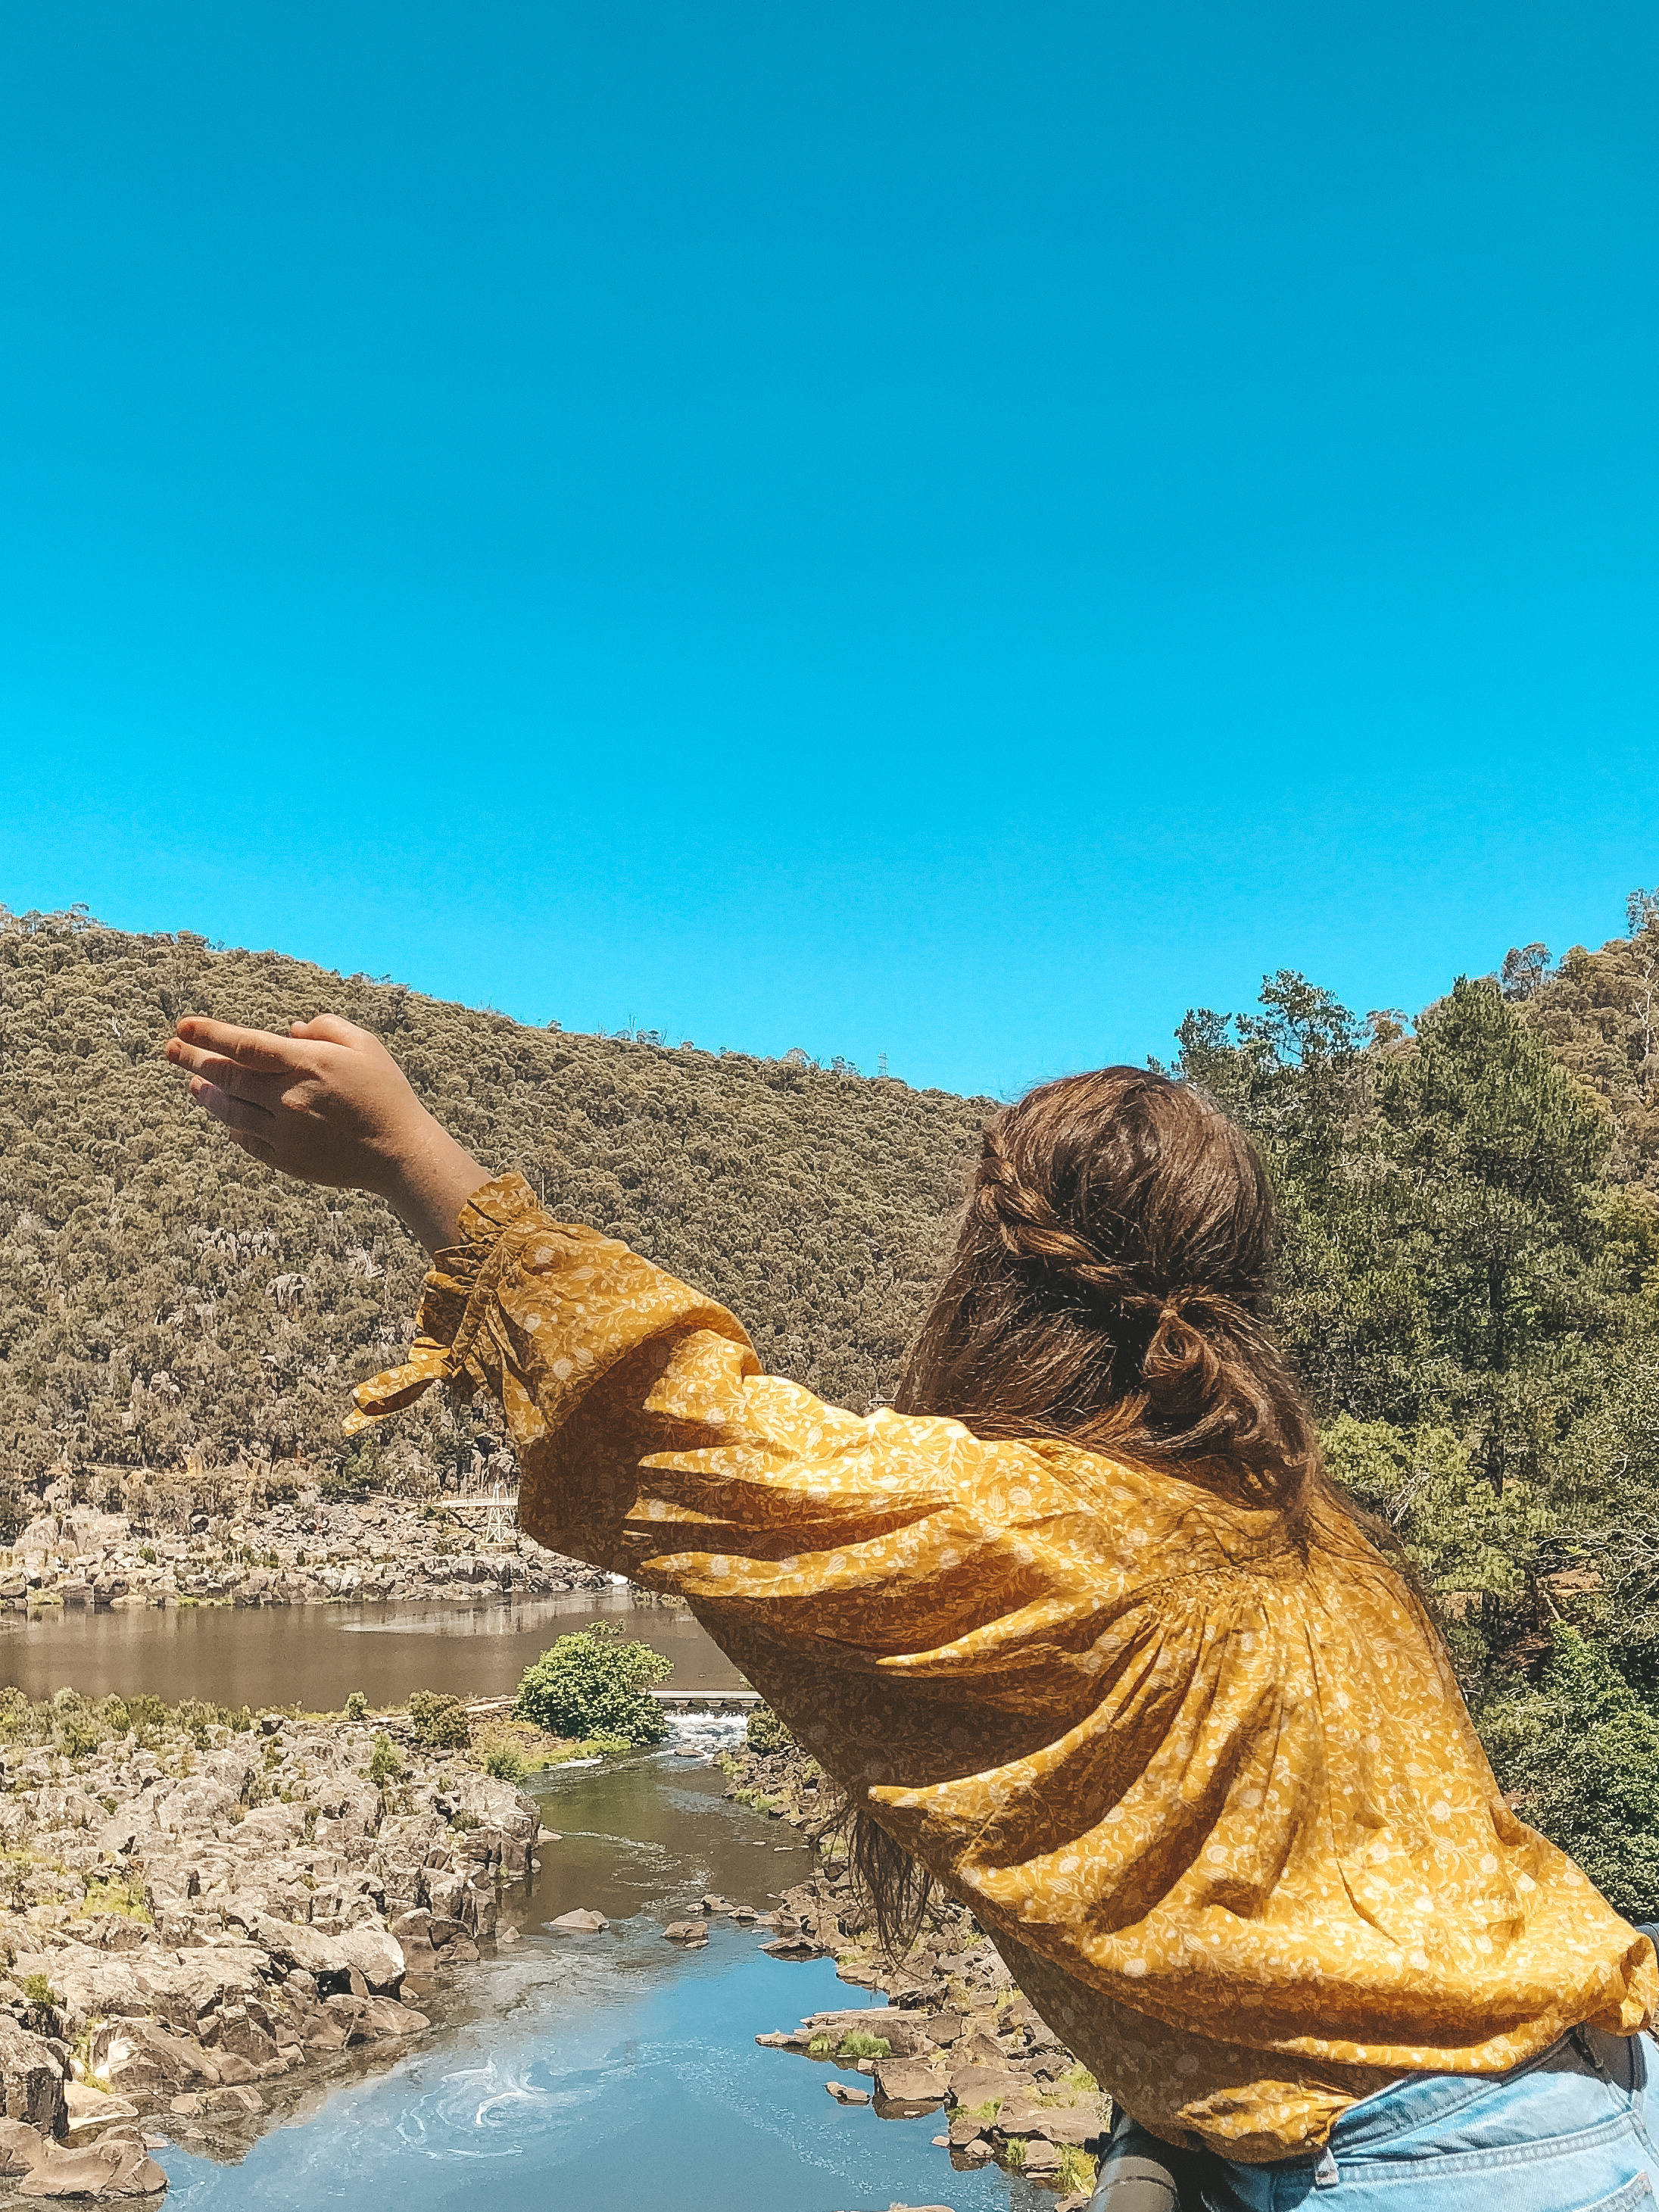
1079, 1624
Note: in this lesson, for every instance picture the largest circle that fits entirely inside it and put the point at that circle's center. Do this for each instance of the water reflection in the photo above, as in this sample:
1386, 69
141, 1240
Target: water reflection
317, 1655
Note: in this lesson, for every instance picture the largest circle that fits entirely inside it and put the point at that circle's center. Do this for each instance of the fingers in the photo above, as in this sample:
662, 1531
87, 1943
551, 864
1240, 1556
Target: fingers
331, 1029
227, 1075
256, 1146
238, 1115
259, 1051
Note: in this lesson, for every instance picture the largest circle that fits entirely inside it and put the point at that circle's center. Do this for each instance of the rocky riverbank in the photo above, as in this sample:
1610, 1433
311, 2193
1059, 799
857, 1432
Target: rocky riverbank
955, 2036
198, 1923
303, 1554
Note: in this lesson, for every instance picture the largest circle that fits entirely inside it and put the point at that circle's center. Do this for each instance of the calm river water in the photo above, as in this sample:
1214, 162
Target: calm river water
614, 2072
314, 1656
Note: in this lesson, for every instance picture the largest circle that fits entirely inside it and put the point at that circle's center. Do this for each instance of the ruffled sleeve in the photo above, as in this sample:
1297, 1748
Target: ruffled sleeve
438, 1350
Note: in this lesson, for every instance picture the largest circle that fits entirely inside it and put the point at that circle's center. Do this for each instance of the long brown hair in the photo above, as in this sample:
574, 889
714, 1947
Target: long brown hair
1110, 1285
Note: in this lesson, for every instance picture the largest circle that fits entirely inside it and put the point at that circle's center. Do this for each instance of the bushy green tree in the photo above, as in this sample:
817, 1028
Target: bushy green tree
1465, 1286
593, 1682
1579, 1753
438, 1721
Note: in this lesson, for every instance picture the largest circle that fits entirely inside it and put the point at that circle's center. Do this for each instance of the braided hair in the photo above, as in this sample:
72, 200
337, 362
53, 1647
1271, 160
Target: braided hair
1110, 1285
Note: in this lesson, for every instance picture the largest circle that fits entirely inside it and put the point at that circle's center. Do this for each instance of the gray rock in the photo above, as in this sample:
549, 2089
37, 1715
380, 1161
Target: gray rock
905, 2088
144, 2059
239, 2097
89, 2109
369, 1951
116, 2167
580, 1923
376, 2020
978, 2085
22, 2147
1042, 2158
32, 2078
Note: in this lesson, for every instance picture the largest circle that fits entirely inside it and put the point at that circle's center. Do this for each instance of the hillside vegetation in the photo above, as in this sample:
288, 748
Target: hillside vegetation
1469, 1287
1469, 1273
167, 1306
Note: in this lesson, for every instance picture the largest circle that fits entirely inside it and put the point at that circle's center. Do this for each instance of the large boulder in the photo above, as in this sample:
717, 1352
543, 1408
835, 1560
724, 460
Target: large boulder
243, 2031
96, 1985
142, 2058
32, 2075
118, 2166
368, 1951
201, 1801
21, 2149
374, 2020
441, 1892
91, 2109
210, 1974
905, 2088
495, 1804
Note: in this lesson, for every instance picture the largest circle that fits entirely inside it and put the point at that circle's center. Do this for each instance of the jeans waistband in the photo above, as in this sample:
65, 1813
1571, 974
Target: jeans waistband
1425, 2100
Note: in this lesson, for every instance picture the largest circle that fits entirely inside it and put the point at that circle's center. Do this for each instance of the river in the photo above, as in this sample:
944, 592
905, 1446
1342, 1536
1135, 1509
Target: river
314, 1656
615, 2073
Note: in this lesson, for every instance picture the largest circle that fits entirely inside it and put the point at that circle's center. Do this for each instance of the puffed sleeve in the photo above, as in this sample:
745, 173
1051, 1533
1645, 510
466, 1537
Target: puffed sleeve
906, 1595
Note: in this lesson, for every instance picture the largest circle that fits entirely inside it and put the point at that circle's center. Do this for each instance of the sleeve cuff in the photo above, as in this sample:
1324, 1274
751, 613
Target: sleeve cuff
438, 1353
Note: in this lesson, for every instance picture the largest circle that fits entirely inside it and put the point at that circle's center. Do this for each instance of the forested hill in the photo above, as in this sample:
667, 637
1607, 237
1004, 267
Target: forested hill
165, 1301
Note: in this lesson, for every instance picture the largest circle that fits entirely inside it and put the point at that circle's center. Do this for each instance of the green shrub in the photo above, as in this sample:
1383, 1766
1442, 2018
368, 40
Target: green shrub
383, 1765
504, 1762
354, 1477
78, 1727
1077, 2170
356, 1706
858, 2045
39, 1991
114, 1895
439, 1721
766, 1732
593, 1683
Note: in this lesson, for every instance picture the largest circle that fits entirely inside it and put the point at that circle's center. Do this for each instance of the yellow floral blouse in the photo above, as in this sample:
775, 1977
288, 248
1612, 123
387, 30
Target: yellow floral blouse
1206, 1778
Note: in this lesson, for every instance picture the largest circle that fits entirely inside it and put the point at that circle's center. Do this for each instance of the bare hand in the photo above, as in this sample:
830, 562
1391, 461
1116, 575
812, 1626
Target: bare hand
328, 1104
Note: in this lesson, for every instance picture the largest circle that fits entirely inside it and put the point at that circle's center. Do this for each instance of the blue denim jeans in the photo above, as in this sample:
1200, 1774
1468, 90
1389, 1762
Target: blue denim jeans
1568, 2132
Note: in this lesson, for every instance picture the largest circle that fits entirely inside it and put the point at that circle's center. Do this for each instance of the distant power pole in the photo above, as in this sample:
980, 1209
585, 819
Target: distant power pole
881, 1063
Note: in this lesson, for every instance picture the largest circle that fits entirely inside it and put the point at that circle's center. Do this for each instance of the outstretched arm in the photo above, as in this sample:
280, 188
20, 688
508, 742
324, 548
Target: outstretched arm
328, 1104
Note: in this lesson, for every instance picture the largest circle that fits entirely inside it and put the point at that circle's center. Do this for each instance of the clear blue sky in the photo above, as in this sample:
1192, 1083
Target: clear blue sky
944, 529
